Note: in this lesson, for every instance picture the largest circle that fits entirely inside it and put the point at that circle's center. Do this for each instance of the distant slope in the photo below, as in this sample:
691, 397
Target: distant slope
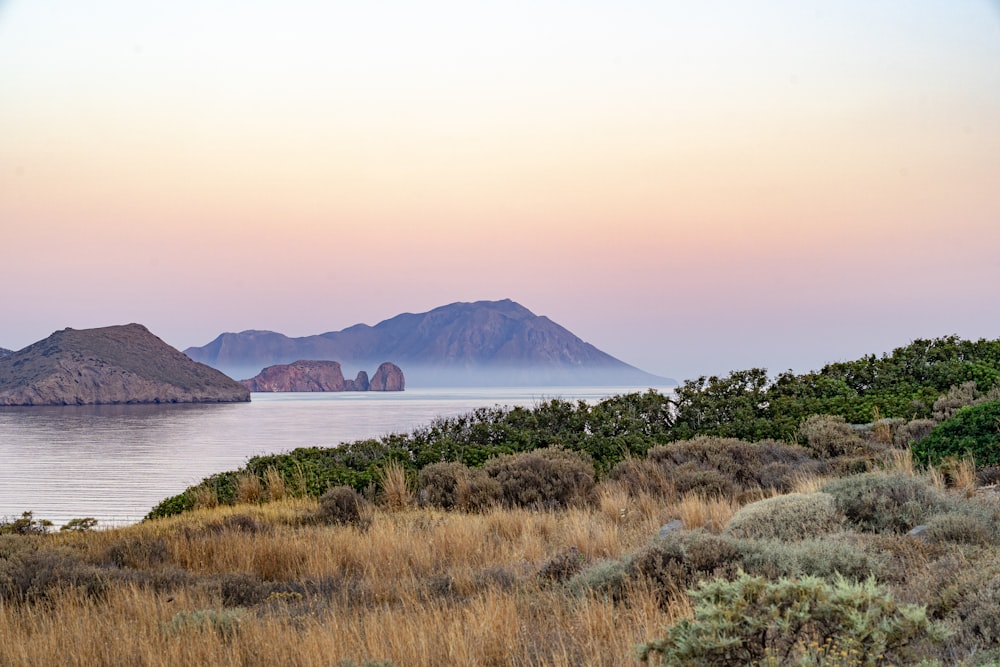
4, 352
486, 343
118, 364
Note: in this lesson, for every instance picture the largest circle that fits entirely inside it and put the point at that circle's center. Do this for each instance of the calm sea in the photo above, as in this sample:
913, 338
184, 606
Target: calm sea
116, 462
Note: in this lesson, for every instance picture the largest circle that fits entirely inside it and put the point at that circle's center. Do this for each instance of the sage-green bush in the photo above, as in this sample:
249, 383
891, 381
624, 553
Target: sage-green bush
804, 621
885, 503
790, 517
545, 478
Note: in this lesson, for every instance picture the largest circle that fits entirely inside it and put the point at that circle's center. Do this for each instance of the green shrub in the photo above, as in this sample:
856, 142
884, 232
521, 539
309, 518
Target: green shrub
565, 564
452, 485
960, 396
973, 431
80, 525
979, 622
678, 561
824, 557
437, 484
605, 578
138, 553
26, 524
830, 436
664, 564
543, 478
719, 466
225, 622
880, 503
959, 528
33, 575
790, 517
913, 431
751, 621
342, 505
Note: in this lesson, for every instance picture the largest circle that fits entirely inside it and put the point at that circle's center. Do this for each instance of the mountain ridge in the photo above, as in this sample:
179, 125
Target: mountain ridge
486, 343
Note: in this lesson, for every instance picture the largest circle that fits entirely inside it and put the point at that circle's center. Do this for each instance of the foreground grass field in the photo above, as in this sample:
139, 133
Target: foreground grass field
270, 583
259, 585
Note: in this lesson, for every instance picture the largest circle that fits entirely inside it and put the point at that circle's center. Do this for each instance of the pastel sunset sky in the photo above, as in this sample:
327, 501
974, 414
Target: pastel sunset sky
693, 187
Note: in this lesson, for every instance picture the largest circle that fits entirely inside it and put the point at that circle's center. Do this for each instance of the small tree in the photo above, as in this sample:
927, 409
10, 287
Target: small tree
973, 431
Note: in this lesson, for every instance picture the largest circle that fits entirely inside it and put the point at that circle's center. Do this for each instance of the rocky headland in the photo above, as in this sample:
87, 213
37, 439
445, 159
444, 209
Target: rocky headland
110, 365
317, 375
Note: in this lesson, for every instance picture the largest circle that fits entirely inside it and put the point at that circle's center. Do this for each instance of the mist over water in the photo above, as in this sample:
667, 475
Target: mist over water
115, 462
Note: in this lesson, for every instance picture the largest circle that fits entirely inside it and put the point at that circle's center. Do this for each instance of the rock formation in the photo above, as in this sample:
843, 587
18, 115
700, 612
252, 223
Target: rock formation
306, 375
359, 383
298, 376
388, 377
110, 365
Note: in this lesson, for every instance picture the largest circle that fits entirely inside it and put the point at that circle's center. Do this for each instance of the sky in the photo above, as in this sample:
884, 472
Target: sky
692, 187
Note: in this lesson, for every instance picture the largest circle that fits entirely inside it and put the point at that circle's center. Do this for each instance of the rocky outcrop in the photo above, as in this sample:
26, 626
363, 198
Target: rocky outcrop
299, 376
388, 377
323, 376
110, 365
4, 352
359, 383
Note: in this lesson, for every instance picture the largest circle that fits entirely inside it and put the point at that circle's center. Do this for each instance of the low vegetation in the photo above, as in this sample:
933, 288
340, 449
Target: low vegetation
729, 525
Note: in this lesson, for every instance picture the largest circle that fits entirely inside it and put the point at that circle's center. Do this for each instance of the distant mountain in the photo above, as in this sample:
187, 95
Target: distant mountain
486, 343
4, 352
118, 364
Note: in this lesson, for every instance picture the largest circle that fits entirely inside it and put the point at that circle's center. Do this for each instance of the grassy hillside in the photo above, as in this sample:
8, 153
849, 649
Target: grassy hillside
622, 533
296, 581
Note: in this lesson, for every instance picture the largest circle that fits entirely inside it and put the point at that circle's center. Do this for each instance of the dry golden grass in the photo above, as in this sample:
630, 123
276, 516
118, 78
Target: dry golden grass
901, 461
249, 488
205, 497
711, 513
963, 476
395, 486
417, 587
275, 483
808, 483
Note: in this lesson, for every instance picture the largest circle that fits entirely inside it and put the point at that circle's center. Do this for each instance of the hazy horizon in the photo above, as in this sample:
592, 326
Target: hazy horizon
692, 188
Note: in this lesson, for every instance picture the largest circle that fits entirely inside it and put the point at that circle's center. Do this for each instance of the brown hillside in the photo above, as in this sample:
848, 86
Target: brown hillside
117, 364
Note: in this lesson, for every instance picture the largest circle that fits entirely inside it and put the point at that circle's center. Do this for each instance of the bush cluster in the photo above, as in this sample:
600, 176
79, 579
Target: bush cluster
452, 485
342, 505
678, 561
794, 516
545, 478
885, 503
830, 436
794, 621
718, 467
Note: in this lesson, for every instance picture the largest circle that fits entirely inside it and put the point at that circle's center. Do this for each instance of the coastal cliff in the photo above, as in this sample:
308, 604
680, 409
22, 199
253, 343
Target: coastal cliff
314, 375
110, 365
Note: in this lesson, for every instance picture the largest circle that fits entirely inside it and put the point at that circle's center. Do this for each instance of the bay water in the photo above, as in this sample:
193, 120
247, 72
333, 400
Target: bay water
115, 462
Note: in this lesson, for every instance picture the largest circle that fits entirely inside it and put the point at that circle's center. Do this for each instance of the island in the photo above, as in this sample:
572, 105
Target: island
323, 375
110, 365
